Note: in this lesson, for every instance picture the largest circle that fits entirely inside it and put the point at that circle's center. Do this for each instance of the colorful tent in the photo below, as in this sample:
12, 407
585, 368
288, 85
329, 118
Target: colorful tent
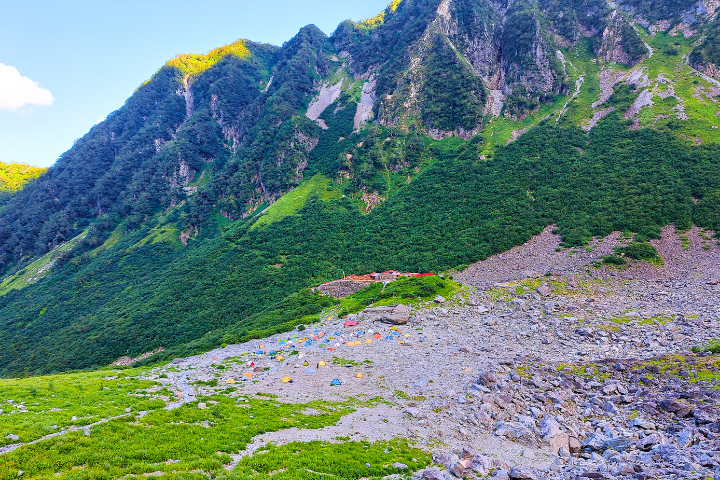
287, 380
350, 323
335, 383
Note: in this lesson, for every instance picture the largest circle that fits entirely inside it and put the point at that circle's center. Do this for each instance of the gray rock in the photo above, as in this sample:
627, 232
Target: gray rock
13, 437
670, 454
501, 475
414, 412
400, 466
671, 406
432, 474
467, 453
706, 415
618, 443
488, 379
440, 299
544, 290
482, 464
574, 445
516, 432
483, 418
610, 408
447, 460
609, 389
643, 423
461, 468
400, 315
624, 469
651, 441
552, 433
523, 473
596, 442
563, 452
685, 437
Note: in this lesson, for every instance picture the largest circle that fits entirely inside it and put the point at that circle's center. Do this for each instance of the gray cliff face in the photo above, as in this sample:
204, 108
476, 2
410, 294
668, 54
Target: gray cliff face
616, 40
501, 57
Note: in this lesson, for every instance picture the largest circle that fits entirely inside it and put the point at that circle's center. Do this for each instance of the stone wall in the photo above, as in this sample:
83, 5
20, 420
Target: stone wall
342, 288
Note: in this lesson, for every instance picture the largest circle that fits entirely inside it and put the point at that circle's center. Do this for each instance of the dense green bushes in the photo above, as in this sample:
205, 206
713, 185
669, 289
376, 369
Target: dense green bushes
132, 299
639, 251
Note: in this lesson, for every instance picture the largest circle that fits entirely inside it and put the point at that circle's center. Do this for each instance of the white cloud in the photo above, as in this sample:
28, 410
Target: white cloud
17, 91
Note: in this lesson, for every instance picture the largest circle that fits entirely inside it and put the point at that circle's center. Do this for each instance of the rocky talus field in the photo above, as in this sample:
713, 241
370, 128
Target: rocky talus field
545, 365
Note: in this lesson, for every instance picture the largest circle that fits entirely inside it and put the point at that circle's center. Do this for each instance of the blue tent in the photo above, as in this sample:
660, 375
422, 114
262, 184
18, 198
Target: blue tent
335, 383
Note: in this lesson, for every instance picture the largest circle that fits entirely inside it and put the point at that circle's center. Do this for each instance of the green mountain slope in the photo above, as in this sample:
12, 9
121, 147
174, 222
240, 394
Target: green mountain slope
13, 176
432, 136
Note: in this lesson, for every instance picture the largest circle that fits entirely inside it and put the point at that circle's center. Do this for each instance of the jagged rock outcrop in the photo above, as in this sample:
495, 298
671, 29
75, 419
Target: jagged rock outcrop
620, 42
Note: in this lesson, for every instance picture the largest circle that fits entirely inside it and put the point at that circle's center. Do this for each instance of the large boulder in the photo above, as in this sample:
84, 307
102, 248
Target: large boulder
596, 442
445, 459
462, 468
651, 441
396, 315
432, 474
706, 415
482, 464
523, 473
516, 432
487, 379
552, 433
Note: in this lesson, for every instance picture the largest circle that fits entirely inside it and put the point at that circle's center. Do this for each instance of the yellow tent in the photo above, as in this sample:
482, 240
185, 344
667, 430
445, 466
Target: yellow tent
368, 341
322, 363
287, 380
359, 375
247, 375
230, 381
279, 358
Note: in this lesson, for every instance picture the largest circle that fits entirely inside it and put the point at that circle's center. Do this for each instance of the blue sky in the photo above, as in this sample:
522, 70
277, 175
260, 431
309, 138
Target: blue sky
65, 65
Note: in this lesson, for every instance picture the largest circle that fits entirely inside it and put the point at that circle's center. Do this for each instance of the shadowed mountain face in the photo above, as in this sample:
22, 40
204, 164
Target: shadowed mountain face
435, 134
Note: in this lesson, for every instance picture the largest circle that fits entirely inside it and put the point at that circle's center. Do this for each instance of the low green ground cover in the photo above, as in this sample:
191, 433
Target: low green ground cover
293, 201
191, 440
31, 407
350, 460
